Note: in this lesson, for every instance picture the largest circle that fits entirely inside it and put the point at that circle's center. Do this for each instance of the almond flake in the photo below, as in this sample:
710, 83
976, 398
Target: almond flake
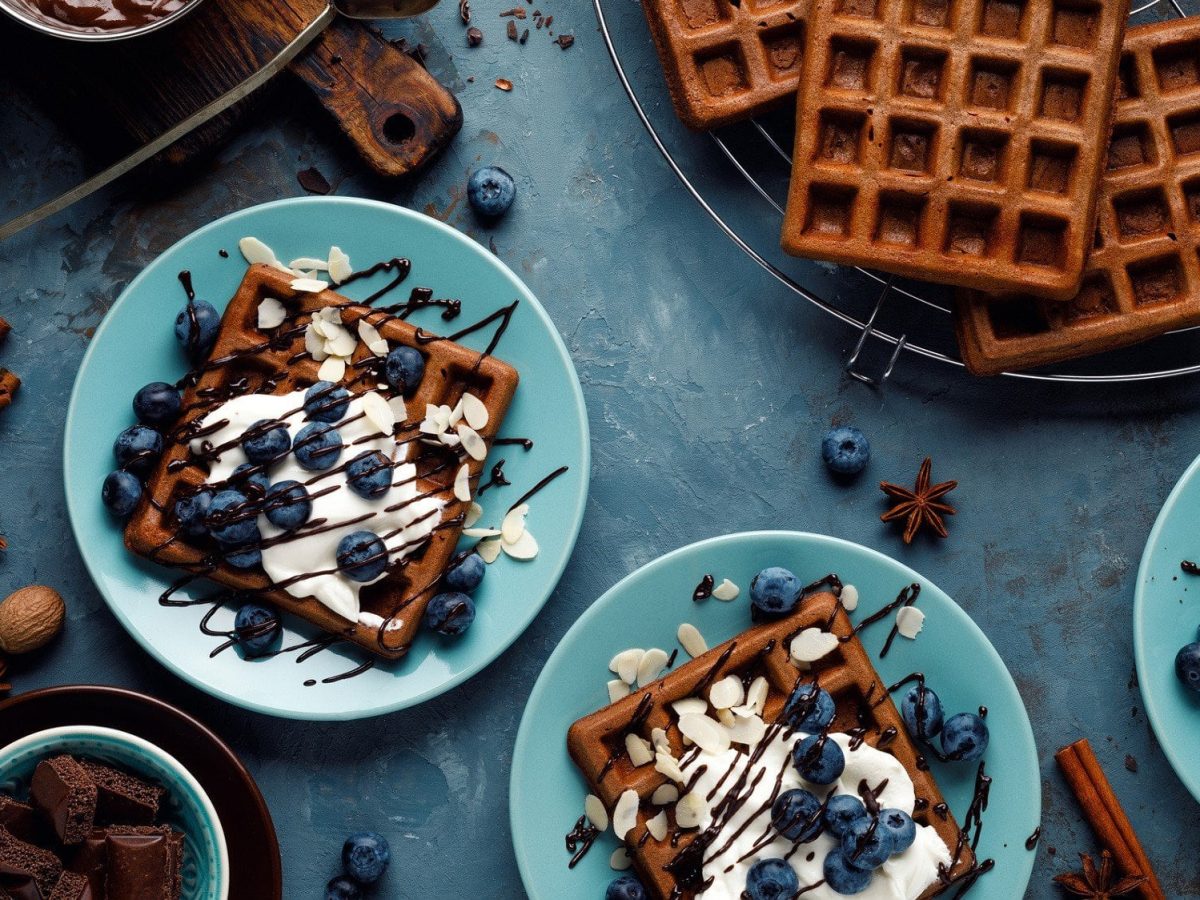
489, 550
726, 591
339, 265
308, 263
658, 825
255, 251
812, 644
271, 313
666, 764
474, 514
399, 410
624, 816
625, 664
690, 706
449, 440
333, 369
472, 442
482, 532
639, 750
909, 621
664, 794
708, 734
651, 666
849, 597
524, 547
309, 285
620, 860
340, 342
379, 414
593, 808
513, 525
617, 690
689, 810
748, 730
456, 413
691, 640
756, 694
314, 343
727, 693
658, 737
475, 413
462, 483
725, 717
369, 335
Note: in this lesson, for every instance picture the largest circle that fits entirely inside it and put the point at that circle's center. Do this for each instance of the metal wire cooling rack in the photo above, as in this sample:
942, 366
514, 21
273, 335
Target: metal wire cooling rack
748, 208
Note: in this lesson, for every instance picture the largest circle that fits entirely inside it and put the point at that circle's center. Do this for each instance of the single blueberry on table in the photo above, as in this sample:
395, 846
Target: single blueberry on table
317, 447
865, 845
326, 402
964, 737
842, 811
158, 403
490, 191
190, 512
846, 450
465, 572
1187, 665
774, 592
365, 856
819, 759
136, 448
369, 474
903, 829
251, 480
121, 492
265, 441
196, 328
362, 556
258, 629
809, 708
342, 888
771, 879
450, 614
404, 368
796, 815
242, 557
843, 877
231, 519
626, 887
287, 505
921, 710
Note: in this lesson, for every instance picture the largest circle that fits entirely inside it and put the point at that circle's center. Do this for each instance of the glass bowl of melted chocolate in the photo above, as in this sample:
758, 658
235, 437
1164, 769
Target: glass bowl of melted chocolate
96, 20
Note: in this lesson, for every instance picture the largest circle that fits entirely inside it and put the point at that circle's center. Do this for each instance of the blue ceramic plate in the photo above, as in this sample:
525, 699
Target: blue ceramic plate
1166, 614
186, 807
645, 610
135, 344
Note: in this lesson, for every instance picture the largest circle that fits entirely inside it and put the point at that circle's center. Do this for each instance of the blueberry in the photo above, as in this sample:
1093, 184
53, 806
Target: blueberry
797, 815
196, 328
901, 826
964, 737
819, 759
342, 888
317, 447
251, 480
362, 556
865, 845
842, 811
158, 403
404, 368
242, 557
369, 474
771, 879
136, 449
490, 191
190, 512
845, 450
326, 402
627, 887
774, 592
921, 710
809, 708
1187, 665
287, 505
843, 877
258, 629
365, 856
231, 519
450, 614
465, 572
121, 492
266, 440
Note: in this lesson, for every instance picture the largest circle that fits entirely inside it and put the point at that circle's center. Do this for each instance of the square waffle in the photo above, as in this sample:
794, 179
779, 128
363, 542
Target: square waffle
957, 141
1143, 274
596, 742
245, 360
727, 61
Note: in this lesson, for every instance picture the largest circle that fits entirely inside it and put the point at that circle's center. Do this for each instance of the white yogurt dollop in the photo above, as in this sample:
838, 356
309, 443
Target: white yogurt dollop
413, 521
905, 876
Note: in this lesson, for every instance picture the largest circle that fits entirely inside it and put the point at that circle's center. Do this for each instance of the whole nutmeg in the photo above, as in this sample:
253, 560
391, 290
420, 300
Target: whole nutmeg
30, 618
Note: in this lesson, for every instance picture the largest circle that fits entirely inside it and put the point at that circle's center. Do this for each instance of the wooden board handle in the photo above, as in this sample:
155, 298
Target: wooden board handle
397, 115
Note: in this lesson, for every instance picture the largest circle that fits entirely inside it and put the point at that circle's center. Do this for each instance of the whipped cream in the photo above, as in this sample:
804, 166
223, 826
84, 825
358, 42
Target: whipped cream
905, 876
401, 510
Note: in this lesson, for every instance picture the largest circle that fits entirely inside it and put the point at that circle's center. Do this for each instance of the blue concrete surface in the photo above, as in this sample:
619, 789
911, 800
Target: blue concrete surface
708, 390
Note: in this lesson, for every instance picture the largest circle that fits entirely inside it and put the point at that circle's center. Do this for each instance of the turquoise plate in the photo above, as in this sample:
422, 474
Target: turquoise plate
645, 610
136, 344
1166, 613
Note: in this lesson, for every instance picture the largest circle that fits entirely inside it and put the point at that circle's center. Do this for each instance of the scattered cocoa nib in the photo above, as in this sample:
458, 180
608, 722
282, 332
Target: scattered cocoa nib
504, 84
1130, 762
8, 387
565, 40
517, 12
417, 52
549, 21
512, 30
524, 35
5, 328
3, 542
474, 37
313, 181
464, 11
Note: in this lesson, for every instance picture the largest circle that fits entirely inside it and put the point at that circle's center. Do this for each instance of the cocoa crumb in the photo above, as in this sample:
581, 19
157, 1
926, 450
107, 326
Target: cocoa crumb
313, 181
512, 30
1130, 763
504, 84
565, 40
474, 37
517, 12
5, 328
549, 21
464, 11
524, 36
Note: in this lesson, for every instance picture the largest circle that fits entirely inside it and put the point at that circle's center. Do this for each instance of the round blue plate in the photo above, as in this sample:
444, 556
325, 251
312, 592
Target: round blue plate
1166, 613
645, 610
136, 344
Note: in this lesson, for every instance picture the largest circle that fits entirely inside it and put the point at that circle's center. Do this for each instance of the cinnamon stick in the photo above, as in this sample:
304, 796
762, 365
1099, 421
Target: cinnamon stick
8, 387
1104, 813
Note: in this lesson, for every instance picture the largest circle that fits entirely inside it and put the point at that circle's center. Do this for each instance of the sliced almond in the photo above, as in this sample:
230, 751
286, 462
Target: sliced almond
812, 644
727, 693
473, 514
593, 808
658, 825
620, 860
726, 591
725, 717
271, 313
369, 335
523, 548
639, 750
625, 664
378, 413
475, 446
909, 622
666, 764
658, 737
314, 343
399, 410
474, 412
482, 532
747, 730
664, 794
255, 251
690, 706
692, 640
617, 690
849, 597
332, 369
489, 550
340, 342
690, 810
624, 816
462, 483
339, 265
651, 666
514, 522
756, 694
708, 734
308, 264
309, 285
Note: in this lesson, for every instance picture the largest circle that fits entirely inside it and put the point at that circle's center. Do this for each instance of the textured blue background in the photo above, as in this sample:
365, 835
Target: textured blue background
708, 390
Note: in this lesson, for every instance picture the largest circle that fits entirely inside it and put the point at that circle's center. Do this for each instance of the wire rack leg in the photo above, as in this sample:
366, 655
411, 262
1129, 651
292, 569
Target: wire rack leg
869, 330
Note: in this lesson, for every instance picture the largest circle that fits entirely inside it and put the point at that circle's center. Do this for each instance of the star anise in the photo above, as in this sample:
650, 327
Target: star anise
920, 506
1098, 884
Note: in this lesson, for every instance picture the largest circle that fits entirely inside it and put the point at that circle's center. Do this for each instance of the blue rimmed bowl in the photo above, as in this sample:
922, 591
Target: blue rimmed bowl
185, 808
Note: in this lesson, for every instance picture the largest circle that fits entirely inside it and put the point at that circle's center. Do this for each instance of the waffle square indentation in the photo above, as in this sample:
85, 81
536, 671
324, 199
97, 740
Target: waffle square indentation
1051, 166
1185, 133
723, 71
830, 209
899, 221
1142, 214
1127, 78
1076, 24
928, 13
865, 9
922, 73
1095, 300
850, 64
993, 84
841, 137
1002, 18
1131, 145
1041, 241
784, 46
1063, 94
1191, 199
1157, 281
912, 145
1016, 317
704, 13
984, 155
971, 230
1178, 67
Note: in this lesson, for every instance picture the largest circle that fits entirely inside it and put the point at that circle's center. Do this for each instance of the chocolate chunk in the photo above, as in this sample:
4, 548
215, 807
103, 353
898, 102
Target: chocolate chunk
26, 871
90, 859
144, 863
73, 887
123, 799
64, 794
21, 820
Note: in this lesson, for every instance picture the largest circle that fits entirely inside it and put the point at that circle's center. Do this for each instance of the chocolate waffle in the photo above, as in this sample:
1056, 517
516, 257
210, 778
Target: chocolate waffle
597, 741
246, 360
1143, 274
724, 61
957, 141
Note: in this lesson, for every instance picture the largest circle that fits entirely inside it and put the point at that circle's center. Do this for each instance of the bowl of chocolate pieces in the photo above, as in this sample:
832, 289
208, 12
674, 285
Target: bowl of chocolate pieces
90, 813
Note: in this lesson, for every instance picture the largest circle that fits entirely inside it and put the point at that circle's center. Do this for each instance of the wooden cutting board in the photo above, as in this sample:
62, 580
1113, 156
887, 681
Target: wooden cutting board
114, 97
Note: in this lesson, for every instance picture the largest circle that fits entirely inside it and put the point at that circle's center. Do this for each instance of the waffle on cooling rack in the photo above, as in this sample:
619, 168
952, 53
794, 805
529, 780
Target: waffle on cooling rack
597, 741
247, 360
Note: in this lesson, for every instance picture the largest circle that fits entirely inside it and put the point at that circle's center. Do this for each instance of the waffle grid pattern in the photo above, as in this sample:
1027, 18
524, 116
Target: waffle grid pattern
954, 140
1143, 274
